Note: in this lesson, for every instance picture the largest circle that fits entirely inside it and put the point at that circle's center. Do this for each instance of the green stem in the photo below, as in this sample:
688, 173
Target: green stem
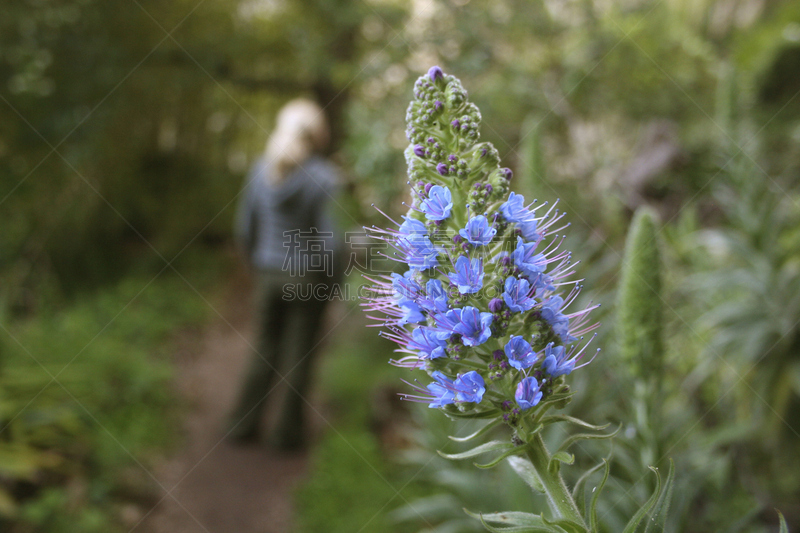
558, 496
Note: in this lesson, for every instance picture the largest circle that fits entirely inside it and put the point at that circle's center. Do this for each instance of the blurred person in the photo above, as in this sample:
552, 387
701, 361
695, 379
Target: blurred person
287, 232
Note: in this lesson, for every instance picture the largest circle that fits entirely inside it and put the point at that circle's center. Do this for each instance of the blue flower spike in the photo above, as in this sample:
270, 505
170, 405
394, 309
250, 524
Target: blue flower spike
477, 300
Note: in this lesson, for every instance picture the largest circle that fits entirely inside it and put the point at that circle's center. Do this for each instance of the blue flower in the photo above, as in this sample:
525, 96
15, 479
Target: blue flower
551, 312
412, 226
473, 326
405, 288
435, 298
468, 275
477, 231
418, 251
555, 361
517, 294
428, 343
469, 387
438, 204
520, 354
527, 260
514, 210
412, 314
442, 390
528, 393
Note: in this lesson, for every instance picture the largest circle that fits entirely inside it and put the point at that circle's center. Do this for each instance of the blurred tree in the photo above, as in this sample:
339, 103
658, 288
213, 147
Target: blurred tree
126, 128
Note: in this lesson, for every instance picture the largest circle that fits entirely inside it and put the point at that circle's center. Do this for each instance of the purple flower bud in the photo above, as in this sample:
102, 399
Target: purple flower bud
441, 168
431, 140
428, 187
452, 157
494, 306
457, 239
507, 173
437, 105
419, 150
499, 355
456, 124
489, 187
435, 73
506, 405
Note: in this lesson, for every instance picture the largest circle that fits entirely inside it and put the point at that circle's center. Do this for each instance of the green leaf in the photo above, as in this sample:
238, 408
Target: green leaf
525, 470
641, 513
659, 513
564, 457
555, 398
593, 522
566, 525
579, 491
491, 413
572, 439
478, 433
784, 527
495, 461
553, 419
511, 518
492, 446
521, 529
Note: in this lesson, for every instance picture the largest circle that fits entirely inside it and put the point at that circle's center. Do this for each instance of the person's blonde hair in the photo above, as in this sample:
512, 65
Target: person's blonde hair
300, 131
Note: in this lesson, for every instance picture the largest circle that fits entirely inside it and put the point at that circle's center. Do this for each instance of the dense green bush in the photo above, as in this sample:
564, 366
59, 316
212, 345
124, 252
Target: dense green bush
87, 402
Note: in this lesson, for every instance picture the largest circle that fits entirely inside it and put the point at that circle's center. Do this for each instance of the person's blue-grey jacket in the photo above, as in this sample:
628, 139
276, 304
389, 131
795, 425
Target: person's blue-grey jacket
288, 226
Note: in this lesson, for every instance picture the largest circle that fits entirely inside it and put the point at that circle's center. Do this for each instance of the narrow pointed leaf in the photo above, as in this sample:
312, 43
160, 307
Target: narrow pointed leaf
552, 419
659, 513
641, 513
478, 433
511, 518
496, 460
784, 527
572, 439
564, 457
593, 522
555, 398
491, 413
521, 529
566, 525
579, 491
492, 446
525, 470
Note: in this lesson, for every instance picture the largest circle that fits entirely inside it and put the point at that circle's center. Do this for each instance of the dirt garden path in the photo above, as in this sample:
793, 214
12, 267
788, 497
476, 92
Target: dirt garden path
220, 487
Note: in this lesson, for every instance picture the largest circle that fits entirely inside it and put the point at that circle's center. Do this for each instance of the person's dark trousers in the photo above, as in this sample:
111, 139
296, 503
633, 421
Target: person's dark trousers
289, 323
